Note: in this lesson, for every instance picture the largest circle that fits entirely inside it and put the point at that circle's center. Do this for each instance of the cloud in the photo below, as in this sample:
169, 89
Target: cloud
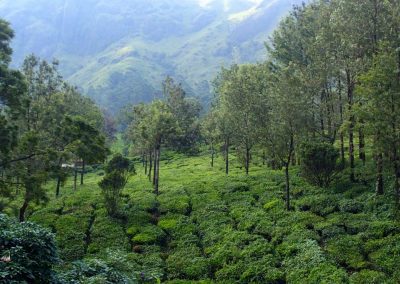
204, 3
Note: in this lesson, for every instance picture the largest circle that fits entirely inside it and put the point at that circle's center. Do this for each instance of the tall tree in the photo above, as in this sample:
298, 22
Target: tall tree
241, 97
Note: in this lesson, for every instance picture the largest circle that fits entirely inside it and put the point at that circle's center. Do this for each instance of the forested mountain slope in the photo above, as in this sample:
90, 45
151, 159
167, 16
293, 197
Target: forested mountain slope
291, 176
118, 52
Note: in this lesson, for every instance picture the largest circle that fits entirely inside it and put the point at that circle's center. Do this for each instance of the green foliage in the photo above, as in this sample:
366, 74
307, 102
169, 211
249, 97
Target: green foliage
347, 251
310, 265
28, 252
318, 162
118, 171
149, 235
368, 276
106, 233
174, 201
116, 267
187, 263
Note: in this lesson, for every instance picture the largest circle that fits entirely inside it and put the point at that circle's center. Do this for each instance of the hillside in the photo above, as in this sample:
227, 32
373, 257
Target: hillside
119, 53
219, 229
292, 176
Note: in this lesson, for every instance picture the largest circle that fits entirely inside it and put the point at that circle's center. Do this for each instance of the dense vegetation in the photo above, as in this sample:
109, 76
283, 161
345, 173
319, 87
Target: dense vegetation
292, 176
120, 52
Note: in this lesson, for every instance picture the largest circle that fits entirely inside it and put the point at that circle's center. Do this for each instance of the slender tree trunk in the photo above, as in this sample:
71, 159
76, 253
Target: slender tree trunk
263, 158
294, 158
22, 211
58, 179
151, 164
155, 166
75, 176
379, 174
342, 151
58, 186
157, 172
321, 114
83, 171
361, 144
287, 183
287, 178
350, 89
145, 164
247, 165
328, 112
212, 155
227, 156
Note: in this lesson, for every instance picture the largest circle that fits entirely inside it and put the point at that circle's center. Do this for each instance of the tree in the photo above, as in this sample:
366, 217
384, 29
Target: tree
291, 117
379, 106
240, 92
118, 171
89, 144
12, 98
170, 122
210, 133
318, 162
186, 112
28, 253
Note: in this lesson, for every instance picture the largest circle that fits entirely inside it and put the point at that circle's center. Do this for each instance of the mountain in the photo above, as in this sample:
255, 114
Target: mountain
119, 51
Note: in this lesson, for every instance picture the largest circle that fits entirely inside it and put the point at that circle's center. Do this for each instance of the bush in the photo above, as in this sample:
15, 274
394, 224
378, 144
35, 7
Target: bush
385, 253
149, 235
351, 206
107, 233
347, 251
263, 271
118, 171
320, 204
318, 162
327, 273
28, 252
116, 267
309, 265
174, 201
187, 263
237, 187
368, 276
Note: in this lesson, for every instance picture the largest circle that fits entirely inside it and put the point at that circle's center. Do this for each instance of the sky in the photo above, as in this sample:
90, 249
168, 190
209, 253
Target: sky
204, 3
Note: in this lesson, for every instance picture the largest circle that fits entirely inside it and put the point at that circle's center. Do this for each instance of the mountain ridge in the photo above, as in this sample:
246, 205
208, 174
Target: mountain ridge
119, 52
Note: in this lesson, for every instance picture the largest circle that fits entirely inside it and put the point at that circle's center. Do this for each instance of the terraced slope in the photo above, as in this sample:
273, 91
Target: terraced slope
206, 226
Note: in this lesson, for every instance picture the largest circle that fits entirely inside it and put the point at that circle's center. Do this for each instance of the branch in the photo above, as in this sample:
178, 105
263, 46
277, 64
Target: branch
20, 159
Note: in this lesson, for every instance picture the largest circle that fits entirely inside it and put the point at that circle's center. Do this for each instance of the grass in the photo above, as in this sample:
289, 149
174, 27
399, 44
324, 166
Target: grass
208, 227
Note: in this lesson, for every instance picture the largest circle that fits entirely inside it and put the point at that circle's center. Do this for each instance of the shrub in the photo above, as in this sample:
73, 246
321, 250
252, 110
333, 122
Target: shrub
318, 162
28, 251
348, 251
107, 233
149, 235
328, 274
308, 264
116, 267
263, 270
112, 185
368, 276
350, 205
174, 201
237, 187
386, 253
320, 204
187, 263
168, 224
118, 171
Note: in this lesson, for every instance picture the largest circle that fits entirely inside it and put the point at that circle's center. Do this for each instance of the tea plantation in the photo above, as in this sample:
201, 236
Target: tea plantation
206, 227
